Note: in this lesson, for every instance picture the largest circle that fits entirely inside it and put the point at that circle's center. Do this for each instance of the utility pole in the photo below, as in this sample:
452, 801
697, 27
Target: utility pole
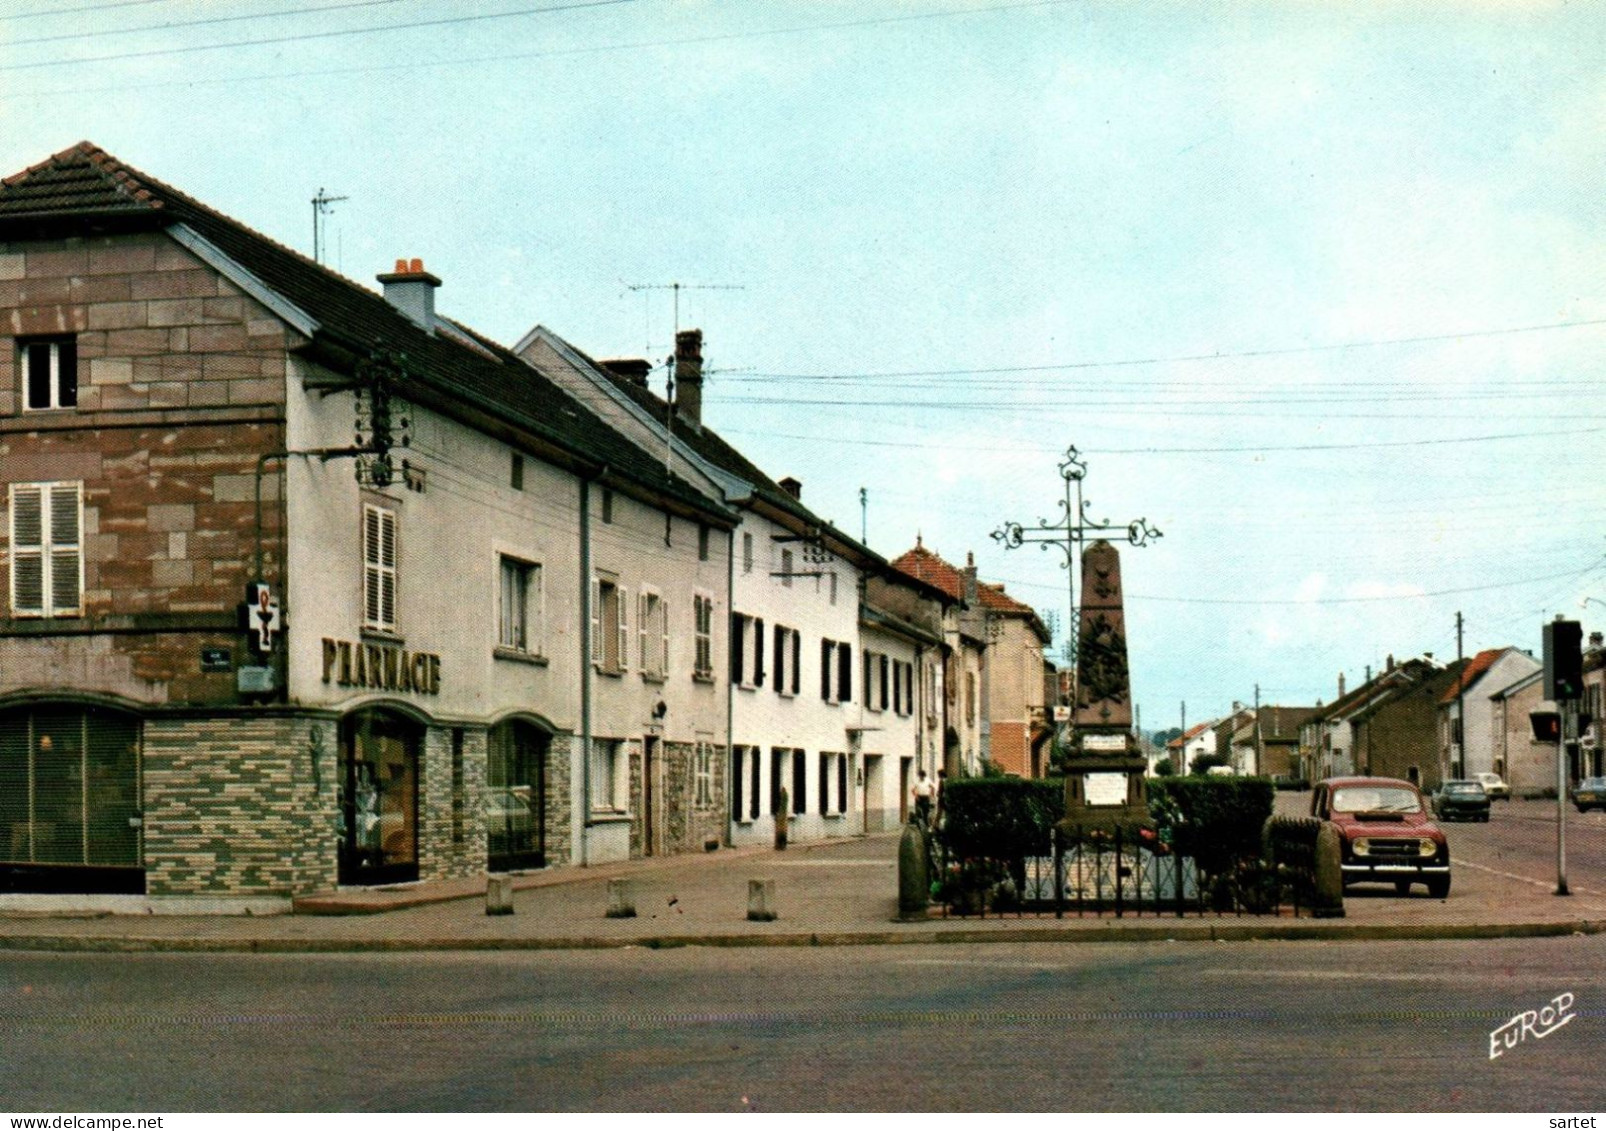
1258, 737
1069, 533
864, 516
1460, 735
320, 209
1182, 749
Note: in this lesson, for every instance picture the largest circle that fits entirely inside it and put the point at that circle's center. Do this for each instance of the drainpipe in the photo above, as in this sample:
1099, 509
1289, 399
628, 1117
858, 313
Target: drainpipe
586, 673
722, 673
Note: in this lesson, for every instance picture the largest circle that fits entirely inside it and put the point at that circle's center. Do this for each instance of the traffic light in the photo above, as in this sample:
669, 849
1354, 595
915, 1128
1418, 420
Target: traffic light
1546, 724
1564, 664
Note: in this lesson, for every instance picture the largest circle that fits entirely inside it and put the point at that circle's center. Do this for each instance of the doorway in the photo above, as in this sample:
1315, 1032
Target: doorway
378, 798
515, 796
874, 804
905, 767
651, 794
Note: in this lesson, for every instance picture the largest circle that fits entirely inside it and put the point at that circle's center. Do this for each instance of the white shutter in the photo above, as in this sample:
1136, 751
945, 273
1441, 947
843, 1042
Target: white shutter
663, 623
624, 628
27, 549
66, 557
642, 602
596, 622
387, 563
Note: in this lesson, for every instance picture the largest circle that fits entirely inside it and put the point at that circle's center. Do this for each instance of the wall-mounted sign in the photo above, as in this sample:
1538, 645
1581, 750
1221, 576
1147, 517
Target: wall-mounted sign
216, 660
262, 616
1104, 789
1104, 742
254, 681
380, 667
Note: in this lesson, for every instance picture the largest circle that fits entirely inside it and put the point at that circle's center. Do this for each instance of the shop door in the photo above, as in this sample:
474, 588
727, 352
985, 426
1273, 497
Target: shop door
515, 797
70, 810
379, 799
650, 794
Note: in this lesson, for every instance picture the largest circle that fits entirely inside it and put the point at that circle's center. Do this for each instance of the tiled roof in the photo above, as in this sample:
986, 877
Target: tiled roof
85, 185
1470, 674
931, 568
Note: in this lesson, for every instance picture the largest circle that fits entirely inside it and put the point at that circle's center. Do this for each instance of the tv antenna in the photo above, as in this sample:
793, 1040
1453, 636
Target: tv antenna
320, 209
676, 288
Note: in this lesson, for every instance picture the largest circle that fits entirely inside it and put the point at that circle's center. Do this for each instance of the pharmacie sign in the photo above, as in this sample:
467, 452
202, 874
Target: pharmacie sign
380, 667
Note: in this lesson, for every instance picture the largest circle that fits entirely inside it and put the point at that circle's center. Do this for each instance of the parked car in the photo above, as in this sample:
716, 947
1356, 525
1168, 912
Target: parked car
1385, 833
1494, 785
1590, 794
1461, 801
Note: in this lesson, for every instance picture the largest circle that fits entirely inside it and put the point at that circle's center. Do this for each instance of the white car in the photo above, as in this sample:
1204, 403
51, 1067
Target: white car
1494, 786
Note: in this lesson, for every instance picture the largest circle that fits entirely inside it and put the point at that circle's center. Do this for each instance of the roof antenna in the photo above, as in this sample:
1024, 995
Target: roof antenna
677, 288
320, 209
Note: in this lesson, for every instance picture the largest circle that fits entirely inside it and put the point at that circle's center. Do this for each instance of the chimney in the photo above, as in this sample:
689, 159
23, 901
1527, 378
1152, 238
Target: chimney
1595, 640
631, 370
970, 579
689, 377
793, 487
1341, 685
411, 290
1391, 661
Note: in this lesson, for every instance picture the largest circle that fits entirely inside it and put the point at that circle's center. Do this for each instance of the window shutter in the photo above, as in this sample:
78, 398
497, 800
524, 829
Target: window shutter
753, 793
622, 658
66, 558
738, 646
663, 624
642, 628
27, 550
780, 659
845, 683
842, 783
797, 660
883, 664
868, 701
387, 562
596, 622
825, 670
825, 783
758, 652
67, 372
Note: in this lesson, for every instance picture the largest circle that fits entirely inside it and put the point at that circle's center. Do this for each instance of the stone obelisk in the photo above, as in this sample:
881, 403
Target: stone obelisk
1104, 767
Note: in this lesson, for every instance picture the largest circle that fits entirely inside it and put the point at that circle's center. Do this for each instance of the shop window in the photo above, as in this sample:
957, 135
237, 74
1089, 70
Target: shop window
379, 832
71, 815
515, 796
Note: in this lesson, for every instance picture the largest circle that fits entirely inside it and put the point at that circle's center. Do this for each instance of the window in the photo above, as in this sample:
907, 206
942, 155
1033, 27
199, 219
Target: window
832, 576
607, 505
459, 795
47, 561
903, 687
705, 774
882, 663
610, 625
833, 784
747, 651
747, 553
516, 479
875, 681
610, 776
652, 621
800, 783
970, 697
702, 541
379, 568
703, 627
50, 368
739, 759
836, 672
788, 659
519, 617
786, 568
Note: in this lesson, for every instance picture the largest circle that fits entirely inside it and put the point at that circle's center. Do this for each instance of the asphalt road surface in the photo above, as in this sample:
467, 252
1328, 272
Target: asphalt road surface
1290, 1026
1519, 840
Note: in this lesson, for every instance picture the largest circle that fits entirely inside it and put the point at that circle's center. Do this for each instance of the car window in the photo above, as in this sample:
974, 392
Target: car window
1375, 799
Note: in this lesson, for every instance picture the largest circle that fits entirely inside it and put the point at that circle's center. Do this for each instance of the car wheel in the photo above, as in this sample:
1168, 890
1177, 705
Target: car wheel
1439, 886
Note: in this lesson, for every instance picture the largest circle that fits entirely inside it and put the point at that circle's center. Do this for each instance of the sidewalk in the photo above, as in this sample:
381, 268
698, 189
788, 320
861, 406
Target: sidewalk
836, 893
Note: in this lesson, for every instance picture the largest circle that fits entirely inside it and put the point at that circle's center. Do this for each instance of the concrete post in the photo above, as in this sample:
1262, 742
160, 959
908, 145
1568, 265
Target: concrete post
761, 901
621, 899
1328, 902
498, 894
914, 881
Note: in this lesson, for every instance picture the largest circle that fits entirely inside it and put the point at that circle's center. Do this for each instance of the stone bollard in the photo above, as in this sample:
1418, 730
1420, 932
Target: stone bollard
914, 882
498, 895
761, 901
1328, 902
621, 899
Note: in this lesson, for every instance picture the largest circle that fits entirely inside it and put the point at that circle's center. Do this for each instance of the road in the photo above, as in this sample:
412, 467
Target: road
1520, 840
1097, 1027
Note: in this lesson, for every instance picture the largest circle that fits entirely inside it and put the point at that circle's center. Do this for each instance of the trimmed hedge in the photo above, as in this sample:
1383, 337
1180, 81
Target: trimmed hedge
1216, 820
1001, 818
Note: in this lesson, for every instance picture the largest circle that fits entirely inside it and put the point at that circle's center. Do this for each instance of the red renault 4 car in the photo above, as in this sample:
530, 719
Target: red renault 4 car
1386, 833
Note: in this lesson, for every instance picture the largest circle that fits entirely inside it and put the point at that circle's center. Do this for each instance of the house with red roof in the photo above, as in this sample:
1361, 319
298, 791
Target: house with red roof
1469, 727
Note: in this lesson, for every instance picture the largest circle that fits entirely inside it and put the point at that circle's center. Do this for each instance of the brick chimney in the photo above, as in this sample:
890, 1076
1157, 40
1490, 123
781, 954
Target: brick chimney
1341, 685
970, 579
411, 290
689, 377
632, 370
793, 487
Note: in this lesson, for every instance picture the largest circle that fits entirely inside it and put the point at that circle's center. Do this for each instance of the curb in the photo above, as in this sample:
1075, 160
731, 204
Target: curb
1189, 932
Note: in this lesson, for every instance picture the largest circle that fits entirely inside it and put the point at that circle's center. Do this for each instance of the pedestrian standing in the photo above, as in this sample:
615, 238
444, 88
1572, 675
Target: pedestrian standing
925, 793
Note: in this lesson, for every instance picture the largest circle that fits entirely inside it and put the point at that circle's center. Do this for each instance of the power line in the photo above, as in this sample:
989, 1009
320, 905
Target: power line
1219, 355
1358, 600
81, 8
179, 24
311, 35
522, 56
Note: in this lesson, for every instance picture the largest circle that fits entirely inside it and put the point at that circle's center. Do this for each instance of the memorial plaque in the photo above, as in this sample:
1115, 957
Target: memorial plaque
1116, 742
1104, 789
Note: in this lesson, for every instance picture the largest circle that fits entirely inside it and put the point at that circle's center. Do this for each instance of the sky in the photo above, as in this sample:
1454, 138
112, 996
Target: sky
1316, 289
